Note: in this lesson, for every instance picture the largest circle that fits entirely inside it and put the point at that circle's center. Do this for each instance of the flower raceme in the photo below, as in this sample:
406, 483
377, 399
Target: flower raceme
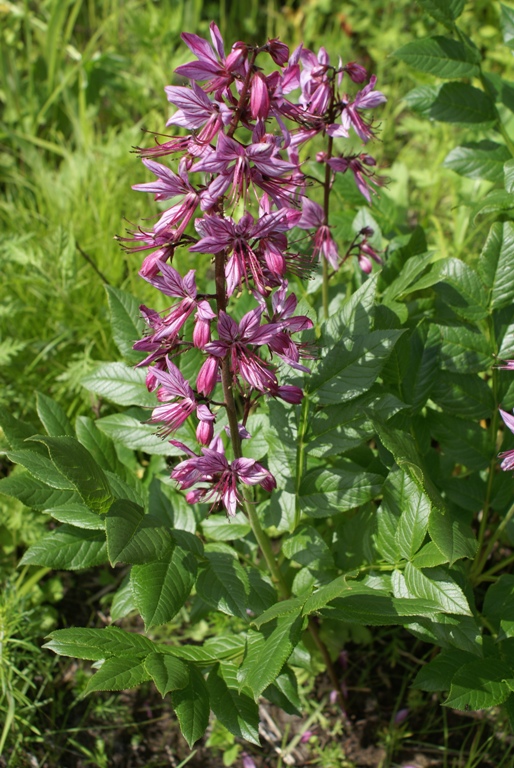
241, 182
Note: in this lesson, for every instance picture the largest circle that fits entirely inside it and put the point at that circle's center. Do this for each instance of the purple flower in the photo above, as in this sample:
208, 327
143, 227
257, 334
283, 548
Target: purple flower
278, 51
507, 456
213, 67
248, 762
205, 428
313, 215
170, 185
240, 166
401, 716
507, 366
359, 165
356, 72
233, 341
195, 110
255, 245
172, 284
221, 477
351, 117
178, 397
314, 82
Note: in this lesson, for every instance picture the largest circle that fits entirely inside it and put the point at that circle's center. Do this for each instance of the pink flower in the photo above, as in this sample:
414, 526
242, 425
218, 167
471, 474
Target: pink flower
233, 341
255, 245
205, 428
358, 165
351, 117
220, 477
172, 284
507, 456
313, 215
195, 110
170, 185
178, 397
213, 67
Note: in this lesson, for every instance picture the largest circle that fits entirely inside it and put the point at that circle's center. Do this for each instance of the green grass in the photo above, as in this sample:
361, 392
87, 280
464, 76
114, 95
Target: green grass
79, 81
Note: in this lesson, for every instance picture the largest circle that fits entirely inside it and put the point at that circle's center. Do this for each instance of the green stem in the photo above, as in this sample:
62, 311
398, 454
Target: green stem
326, 210
264, 543
300, 456
488, 575
492, 542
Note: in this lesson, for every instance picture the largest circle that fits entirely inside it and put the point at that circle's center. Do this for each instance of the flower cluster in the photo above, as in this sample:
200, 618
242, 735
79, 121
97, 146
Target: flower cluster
243, 190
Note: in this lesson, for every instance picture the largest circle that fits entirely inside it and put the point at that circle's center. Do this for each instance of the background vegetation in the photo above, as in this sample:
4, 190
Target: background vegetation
79, 82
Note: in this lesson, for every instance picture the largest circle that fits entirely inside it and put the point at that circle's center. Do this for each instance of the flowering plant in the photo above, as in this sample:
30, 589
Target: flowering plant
333, 448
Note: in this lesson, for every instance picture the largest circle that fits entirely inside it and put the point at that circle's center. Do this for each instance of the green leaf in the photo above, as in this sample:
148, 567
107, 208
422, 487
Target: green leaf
262, 592
403, 447
413, 520
123, 600
481, 684
236, 711
507, 25
221, 528
192, 707
353, 317
41, 468
118, 675
352, 366
265, 659
99, 446
134, 537
495, 265
440, 56
96, 644
161, 589
465, 350
452, 536
444, 11
437, 675
410, 270
307, 547
168, 672
53, 417
133, 434
461, 632
499, 606
120, 384
34, 493
368, 608
508, 170
453, 102
77, 515
463, 441
284, 692
461, 288
68, 548
429, 556
436, 585
326, 492
77, 464
282, 437
467, 396
282, 608
224, 584
339, 428
127, 324
497, 201
327, 593
478, 160
16, 432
